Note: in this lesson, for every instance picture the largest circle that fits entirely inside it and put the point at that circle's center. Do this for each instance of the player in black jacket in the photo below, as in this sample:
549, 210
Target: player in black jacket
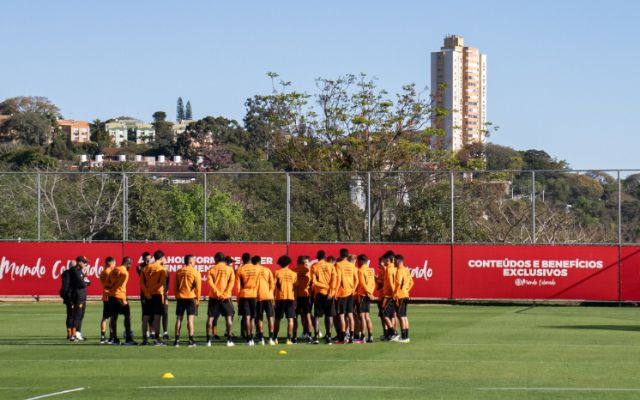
78, 283
65, 294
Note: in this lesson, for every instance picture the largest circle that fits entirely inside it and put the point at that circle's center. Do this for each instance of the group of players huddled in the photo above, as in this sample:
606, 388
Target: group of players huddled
338, 290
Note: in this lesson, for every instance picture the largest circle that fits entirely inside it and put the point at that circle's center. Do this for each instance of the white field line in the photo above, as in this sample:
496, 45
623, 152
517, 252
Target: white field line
56, 393
279, 387
557, 389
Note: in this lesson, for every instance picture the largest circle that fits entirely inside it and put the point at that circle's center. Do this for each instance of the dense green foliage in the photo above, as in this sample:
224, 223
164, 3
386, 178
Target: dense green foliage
348, 126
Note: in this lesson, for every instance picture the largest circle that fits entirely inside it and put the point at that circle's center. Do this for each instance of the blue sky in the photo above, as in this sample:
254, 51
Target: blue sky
563, 76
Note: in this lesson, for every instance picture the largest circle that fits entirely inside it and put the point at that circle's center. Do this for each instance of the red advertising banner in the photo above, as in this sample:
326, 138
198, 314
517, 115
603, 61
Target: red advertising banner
479, 271
535, 272
31, 269
430, 265
630, 274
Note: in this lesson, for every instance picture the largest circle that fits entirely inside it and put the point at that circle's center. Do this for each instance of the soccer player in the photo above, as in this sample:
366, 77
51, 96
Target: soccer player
220, 279
379, 286
388, 292
117, 284
266, 287
165, 305
109, 265
347, 282
188, 286
78, 283
65, 294
404, 283
285, 296
303, 299
152, 283
247, 285
364, 295
146, 322
321, 281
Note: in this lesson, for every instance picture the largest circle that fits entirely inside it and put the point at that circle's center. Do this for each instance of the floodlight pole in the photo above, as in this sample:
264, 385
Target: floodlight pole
369, 207
39, 205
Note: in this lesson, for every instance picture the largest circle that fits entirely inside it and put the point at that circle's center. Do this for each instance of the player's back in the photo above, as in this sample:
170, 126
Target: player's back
266, 284
348, 278
285, 281
247, 281
303, 281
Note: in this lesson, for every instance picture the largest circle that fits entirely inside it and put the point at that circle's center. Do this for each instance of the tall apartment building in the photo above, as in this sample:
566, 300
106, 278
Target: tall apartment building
464, 72
76, 131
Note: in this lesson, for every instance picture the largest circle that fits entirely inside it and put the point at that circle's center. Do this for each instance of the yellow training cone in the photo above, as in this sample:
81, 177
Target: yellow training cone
167, 375
282, 352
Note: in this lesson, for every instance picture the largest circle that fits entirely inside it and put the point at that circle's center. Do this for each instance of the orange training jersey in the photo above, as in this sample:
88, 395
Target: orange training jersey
220, 279
285, 281
322, 277
247, 281
117, 283
404, 282
303, 283
366, 281
188, 284
153, 279
104, 277
389, 281
380, 283
266, 283
347, 280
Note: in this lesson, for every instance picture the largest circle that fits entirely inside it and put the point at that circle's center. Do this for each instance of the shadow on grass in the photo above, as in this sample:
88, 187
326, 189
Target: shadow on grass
628, 328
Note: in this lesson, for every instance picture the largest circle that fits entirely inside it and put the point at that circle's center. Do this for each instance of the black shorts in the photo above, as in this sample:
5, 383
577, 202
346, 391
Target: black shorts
218, 307
401, 307
345, 305
153, 306
117, 306
364, 304
379, 303
389, 307
324, 306
247, 306
188, 305
303, 305
106, 311
264, 307
285, 308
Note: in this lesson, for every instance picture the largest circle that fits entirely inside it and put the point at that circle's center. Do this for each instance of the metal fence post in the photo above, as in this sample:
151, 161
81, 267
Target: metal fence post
204, 208
369, 207
288, 235
453, 227
533, 207
619, 210
124, 206
39, 205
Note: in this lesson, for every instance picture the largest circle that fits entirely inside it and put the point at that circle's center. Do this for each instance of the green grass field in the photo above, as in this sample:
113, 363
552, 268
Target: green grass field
457, 352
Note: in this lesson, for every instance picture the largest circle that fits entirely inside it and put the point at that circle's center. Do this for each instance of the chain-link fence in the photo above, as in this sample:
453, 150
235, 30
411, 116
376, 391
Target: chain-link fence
519, 207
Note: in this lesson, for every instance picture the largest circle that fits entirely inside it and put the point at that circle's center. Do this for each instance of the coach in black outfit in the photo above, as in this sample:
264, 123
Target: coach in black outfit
78, 283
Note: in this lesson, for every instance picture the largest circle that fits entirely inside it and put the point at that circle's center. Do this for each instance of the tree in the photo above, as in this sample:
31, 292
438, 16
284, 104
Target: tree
164, 139
503, 158
188, 114
31, 128
180, 116
99, 133
35, 104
